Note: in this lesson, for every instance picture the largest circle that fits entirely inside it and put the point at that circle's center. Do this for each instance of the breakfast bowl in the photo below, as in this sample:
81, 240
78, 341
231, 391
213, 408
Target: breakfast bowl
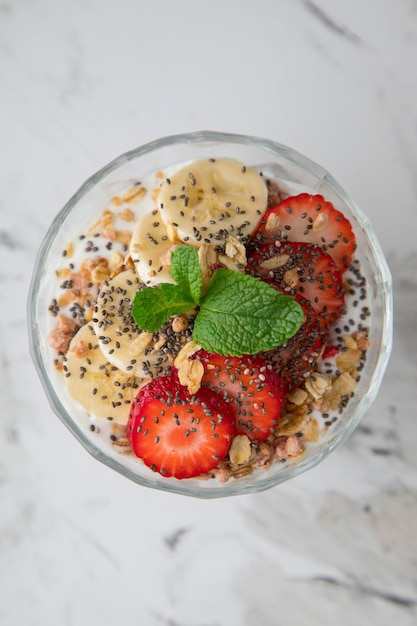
210, 314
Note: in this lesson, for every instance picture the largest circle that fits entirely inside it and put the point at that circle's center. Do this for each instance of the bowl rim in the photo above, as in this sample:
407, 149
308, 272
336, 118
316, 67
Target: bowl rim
384, 281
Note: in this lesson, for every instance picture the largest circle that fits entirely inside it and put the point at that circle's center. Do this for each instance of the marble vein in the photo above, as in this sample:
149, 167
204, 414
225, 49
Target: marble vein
332, 25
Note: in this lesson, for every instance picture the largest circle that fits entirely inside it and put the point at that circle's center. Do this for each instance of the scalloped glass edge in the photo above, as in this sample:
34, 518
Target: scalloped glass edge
233, 487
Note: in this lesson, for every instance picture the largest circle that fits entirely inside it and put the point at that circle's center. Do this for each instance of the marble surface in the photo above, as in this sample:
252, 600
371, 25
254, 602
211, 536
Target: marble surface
83, 81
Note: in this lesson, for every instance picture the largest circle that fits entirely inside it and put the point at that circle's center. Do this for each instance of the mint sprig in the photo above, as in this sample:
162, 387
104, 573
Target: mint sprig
186, 271
238, 314
243, 315
154, 305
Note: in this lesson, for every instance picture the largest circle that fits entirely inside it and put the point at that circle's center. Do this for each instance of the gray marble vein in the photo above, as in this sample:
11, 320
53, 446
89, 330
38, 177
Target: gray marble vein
330, 23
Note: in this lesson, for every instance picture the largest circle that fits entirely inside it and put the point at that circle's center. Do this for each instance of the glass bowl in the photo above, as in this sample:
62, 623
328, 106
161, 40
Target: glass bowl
296, 174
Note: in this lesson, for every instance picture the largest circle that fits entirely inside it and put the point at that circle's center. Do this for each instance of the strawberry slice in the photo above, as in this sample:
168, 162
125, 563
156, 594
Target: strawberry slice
255, 393
297, 357
178, 434
311, 219
302, 270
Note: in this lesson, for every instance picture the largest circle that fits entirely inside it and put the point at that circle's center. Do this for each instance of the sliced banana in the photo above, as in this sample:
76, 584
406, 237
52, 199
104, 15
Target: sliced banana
121, 340
100, 387
209, 199
150, 249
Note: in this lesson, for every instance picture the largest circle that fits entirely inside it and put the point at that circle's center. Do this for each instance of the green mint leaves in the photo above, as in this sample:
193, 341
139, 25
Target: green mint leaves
186, 271
238, 314
152, 306
243, 315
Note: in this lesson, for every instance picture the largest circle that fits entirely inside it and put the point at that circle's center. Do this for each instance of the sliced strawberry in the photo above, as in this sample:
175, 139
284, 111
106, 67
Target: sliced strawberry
330, 352
178, 434
301, 270
297, 357
255, 393
311, 219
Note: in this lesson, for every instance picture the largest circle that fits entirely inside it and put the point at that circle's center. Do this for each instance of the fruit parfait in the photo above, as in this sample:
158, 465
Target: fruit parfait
208, 325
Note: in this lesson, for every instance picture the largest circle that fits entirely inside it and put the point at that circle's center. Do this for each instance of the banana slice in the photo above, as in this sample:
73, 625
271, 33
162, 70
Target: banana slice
209, 199
102, 389
150, 249
121, 340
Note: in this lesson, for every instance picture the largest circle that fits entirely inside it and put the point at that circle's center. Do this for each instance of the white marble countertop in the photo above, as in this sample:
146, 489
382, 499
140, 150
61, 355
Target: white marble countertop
83, 81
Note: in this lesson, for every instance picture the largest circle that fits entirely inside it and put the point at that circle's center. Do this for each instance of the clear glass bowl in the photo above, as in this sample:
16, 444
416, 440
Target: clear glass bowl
297, 173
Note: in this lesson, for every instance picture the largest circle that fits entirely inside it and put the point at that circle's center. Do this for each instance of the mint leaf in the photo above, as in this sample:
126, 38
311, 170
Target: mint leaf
152, 306
240, 314
186, 271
